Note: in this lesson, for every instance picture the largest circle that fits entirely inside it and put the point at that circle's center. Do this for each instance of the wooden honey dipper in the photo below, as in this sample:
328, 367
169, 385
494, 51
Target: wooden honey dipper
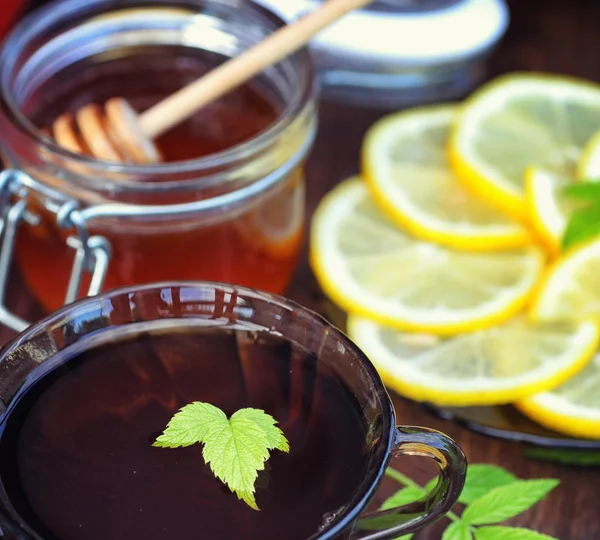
117, 133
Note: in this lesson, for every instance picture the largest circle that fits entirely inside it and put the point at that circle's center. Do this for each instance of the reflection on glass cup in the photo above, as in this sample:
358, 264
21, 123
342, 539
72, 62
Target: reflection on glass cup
86, 391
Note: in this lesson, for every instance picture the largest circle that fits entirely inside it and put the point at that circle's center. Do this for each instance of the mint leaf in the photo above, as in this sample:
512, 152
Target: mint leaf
458, 530
509, 533
583, 458
235, 448
188, 426
402, 497
481, 479
507, 501
379, 523
585, 191
583, 224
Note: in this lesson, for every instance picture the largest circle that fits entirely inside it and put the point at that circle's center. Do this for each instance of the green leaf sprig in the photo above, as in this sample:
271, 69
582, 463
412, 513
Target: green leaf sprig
491, 495
235, 448
584, 221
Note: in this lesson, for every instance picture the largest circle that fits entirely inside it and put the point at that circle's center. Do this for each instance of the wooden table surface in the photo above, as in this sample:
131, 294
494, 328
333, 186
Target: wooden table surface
560, 36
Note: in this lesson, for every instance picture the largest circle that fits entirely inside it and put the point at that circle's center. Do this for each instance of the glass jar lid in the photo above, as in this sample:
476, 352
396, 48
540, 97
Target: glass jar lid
395, 47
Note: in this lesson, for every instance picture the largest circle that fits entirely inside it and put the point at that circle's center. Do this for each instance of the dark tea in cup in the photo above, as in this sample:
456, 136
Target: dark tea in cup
88, 391
92, 422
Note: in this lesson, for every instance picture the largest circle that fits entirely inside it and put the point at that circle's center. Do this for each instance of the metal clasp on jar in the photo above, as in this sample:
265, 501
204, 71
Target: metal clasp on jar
92, 253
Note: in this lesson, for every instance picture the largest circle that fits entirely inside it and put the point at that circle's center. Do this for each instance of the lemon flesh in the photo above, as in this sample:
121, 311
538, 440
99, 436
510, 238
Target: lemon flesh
367, 265
521, 120
490, 367
573, 407
588, 167
406, 166
548, 209
571, 287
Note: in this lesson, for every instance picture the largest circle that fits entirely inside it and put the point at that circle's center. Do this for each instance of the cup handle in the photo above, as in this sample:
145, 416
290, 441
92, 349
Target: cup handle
395, 522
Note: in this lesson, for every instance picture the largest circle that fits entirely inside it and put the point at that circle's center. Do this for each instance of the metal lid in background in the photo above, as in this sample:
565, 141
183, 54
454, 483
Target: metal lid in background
403, 52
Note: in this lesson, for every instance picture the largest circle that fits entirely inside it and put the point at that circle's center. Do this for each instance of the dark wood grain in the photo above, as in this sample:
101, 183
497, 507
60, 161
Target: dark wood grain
559, 36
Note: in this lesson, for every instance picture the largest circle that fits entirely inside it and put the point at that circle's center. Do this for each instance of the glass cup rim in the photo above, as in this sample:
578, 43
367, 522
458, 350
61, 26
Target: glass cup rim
370, 483
38, 20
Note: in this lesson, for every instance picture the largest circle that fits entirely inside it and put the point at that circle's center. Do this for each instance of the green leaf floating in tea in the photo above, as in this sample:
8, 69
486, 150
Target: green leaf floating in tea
235, 448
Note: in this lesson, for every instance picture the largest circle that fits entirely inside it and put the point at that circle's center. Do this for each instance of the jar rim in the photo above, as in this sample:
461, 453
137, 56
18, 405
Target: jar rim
41, 18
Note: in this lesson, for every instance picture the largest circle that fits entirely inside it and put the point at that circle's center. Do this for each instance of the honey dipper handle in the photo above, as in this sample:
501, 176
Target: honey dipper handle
182, 104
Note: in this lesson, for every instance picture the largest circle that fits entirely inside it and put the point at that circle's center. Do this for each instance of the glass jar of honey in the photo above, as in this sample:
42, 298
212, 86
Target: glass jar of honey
227, 201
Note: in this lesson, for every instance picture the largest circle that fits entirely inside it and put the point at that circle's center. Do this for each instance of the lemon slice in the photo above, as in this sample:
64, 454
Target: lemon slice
406, 166
368, 265
573, 408
520, 120
571, 287
490, 367
588, 167
548, 210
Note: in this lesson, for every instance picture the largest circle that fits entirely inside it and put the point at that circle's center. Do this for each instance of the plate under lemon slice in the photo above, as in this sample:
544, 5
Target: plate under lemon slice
405, 164
368, 265
490, 367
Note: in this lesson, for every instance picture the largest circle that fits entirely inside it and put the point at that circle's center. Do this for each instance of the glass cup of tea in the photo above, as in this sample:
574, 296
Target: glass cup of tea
85, 392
